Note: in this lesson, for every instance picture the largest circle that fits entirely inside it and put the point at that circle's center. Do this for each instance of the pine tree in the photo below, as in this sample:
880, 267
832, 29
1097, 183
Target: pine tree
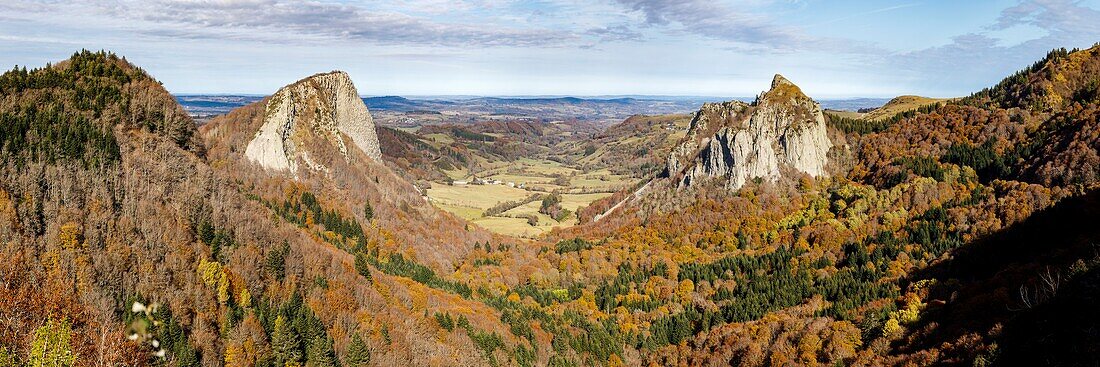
285, 344
320, 353
362, 265
358, 354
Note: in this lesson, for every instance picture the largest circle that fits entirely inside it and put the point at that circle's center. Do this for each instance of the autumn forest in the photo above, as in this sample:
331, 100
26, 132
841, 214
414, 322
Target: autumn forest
958, 232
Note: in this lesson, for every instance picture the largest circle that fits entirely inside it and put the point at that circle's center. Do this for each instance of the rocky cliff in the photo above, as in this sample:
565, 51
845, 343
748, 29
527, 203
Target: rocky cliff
782, 130
323, 110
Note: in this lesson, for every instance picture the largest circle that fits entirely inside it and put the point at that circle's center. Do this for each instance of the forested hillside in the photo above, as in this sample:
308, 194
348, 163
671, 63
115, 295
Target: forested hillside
955, 234
861, 268
126, 242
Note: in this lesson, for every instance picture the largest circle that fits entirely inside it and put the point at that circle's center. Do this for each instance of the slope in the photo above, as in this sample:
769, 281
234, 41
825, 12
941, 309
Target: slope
897, 259
118, 236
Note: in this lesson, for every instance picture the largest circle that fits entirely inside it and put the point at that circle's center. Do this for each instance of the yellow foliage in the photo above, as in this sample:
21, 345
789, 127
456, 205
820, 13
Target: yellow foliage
419, 298
808, 348
210, 272
382, 289
684, 290
244, 298
223, 288
233, 356
891, 328
69, 236
615, 361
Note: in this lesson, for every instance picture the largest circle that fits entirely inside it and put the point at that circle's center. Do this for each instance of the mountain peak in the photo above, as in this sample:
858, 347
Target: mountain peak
334, 75
778, 80
324, 107
785, 129
783, 90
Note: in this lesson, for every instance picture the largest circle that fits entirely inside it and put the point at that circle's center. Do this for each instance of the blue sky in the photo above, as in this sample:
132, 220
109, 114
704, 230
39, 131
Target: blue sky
832, 49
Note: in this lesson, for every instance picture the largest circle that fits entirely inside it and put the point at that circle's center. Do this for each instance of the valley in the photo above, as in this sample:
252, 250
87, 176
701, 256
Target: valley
307, 228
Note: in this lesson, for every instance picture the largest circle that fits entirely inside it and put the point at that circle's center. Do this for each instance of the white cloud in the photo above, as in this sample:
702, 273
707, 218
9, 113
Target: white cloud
292, 21
976, 60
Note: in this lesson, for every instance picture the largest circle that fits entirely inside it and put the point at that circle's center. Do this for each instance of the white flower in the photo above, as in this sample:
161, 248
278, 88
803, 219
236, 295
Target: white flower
160, 353
132, 336
138, 307
156, 344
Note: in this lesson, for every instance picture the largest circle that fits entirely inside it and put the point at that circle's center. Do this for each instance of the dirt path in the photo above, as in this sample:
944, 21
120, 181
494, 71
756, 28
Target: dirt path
636, 193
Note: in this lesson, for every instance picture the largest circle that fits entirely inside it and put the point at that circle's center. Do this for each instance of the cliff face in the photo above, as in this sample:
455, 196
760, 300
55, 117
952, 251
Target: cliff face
784, 129
324, 109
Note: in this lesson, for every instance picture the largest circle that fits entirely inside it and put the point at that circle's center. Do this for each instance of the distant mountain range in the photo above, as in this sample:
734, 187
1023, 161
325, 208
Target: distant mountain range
534, 107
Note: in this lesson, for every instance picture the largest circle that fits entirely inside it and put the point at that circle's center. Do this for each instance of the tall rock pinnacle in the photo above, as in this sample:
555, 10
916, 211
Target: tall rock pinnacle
740, 142
324, 107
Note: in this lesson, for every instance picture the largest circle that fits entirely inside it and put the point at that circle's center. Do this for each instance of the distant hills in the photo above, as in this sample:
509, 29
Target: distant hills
611, 109
944, 233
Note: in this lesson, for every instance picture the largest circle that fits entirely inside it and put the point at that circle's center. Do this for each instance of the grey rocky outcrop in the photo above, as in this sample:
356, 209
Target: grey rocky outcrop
784, 129
323, 107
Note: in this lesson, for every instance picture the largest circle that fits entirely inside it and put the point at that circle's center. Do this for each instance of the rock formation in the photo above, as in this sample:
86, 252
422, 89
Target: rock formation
323, 108
784, 129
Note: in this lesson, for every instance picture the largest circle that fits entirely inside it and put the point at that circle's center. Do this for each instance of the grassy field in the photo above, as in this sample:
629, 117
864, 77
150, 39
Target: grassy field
474, 196
471, 201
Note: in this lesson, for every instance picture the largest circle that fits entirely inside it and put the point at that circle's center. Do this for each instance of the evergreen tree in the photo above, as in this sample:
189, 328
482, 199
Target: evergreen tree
362, 265
276, 260
320, 353
358, 354
285, 344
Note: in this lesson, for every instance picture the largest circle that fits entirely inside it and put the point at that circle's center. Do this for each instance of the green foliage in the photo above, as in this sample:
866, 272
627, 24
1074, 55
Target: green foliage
502, 207
922, 166
362, 265
862, 126
621, 284
487, 342
297, 335
386, 334
358, 355
52, 345
399, 266
275, 263
445, 321
284, 343
549, 201
297, 210
320, 353
58, 113
931, 231
984, 160
50, 133
547, 297
173, 338
368, 212
218, 239
1018, 90
164, 328
572, 245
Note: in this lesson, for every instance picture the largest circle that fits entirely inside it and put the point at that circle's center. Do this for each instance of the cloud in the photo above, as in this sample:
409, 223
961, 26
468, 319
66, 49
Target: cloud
620, 32
749, 31
292, 21
1061, 18
712, 19
977, 60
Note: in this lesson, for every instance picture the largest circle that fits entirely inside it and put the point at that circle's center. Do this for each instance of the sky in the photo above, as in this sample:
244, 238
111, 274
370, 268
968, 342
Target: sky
832, 49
